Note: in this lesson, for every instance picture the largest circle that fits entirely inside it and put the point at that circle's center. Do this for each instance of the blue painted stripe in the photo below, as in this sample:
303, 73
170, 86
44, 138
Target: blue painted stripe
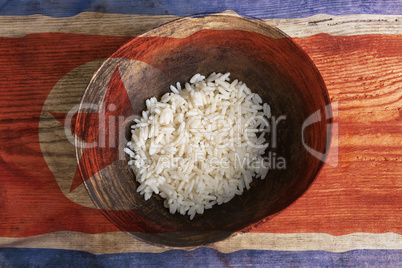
265, 9
201, 257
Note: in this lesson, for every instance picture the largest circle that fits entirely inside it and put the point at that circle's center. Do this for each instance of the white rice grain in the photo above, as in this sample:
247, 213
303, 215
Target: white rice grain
193, 147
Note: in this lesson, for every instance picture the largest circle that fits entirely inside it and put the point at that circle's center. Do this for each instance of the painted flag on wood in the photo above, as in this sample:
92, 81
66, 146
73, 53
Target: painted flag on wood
47, 60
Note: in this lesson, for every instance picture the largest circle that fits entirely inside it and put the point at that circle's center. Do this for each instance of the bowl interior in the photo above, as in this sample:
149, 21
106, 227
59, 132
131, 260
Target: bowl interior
261, 56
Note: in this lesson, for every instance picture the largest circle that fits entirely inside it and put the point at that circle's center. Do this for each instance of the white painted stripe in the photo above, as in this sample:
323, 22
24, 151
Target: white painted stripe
340, 25
120, 242
84, 23
311, 241
132, 25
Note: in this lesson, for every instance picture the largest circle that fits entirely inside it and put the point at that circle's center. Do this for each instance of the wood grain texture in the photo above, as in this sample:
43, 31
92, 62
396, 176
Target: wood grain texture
111, 24
261, 9
362, 195
53, 133
84, 23
364, 192
31, 67
206, 257
346, 25
120, 242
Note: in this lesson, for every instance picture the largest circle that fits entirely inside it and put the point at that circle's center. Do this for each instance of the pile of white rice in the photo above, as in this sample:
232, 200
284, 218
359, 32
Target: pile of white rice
200, 145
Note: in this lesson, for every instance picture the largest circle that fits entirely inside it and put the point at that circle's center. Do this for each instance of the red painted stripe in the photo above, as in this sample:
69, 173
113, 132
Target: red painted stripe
31, 201
362, 194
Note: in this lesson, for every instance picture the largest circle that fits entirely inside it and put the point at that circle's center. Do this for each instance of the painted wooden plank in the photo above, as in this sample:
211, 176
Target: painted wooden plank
105, 243
368, 88
111, 24
202, 257
259, 9
362, 194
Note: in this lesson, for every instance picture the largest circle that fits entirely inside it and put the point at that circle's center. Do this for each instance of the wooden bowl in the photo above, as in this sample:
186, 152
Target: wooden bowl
263, 57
